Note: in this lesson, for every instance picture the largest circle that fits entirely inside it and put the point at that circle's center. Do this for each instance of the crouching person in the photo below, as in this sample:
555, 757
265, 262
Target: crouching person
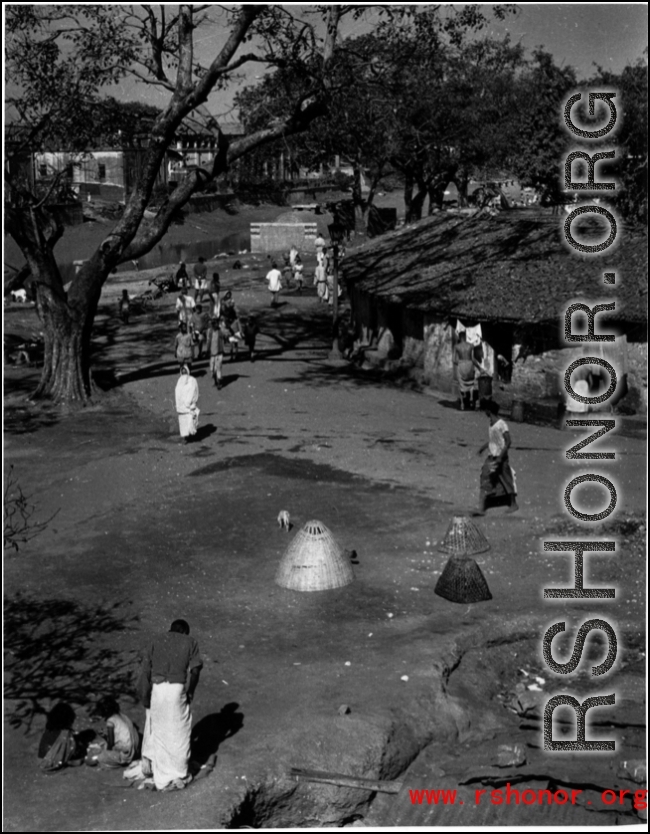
59, 746
122, 741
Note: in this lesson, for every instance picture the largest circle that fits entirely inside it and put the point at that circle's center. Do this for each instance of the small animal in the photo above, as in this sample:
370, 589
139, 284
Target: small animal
19, 295
237, 265
284, 520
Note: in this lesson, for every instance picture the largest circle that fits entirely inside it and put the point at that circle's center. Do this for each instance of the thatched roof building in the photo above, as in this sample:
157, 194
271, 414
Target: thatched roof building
512, 274
513, 267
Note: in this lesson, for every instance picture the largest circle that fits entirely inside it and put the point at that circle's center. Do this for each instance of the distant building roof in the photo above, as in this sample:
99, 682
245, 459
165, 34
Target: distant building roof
196, 127
512, 267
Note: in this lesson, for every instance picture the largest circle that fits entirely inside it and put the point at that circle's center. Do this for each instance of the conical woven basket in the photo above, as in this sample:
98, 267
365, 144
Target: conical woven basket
463, 537
314, 561
462, 581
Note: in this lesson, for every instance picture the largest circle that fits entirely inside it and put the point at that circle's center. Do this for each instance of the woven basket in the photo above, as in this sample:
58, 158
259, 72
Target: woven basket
462, 581
314, 561
463, 537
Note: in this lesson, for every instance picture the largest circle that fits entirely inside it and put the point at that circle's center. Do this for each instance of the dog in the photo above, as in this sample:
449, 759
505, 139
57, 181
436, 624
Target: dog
19, 295
284, 520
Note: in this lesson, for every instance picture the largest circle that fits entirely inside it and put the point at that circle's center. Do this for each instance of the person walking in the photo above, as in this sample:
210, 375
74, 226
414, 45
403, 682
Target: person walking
274, 279
184, 346
182, 278
215, 290
320, 275
200, 271
250, 330
187, 398
125, 306
185, 305
319, 243
172, 665
297, 273
231, 317
497, 476
216, 343
199, 327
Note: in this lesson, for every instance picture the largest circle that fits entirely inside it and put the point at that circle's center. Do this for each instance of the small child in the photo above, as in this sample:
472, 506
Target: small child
125, 306
297, 272
122, 740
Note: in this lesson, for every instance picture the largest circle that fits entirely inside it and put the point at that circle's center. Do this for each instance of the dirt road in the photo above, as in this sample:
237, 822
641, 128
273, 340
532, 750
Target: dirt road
147, 530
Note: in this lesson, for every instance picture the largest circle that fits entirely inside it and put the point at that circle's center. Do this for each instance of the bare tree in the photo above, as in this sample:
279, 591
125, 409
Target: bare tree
19, 524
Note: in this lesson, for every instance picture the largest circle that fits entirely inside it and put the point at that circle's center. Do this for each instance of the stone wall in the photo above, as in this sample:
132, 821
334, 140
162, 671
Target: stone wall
279, 237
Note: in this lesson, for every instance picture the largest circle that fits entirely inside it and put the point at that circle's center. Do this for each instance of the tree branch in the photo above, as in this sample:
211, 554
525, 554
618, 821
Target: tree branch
247, 15
186, 53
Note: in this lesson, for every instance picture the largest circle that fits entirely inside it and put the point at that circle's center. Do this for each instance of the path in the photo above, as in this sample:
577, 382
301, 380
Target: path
164, 530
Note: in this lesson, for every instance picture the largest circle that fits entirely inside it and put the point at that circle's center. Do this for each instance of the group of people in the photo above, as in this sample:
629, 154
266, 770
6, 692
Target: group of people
197, 325
497, 480
292, 270
211, 334
170, 667
199, 285
324, 272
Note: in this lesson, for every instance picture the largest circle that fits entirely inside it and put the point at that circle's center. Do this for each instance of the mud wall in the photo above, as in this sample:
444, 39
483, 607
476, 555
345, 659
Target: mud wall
540, 374
438, 362
637, 376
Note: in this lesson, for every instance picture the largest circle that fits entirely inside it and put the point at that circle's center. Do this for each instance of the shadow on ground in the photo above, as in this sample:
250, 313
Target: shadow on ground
52, 654
213, 729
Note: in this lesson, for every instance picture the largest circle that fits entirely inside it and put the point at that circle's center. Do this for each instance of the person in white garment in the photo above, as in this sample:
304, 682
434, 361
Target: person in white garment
171, 664
187, 398
274, 279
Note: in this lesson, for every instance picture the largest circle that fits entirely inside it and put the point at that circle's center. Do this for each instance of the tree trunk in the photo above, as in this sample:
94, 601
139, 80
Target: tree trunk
417, 204
436, 193
461, 182
408, 196
360, 207
67, 321
66, 365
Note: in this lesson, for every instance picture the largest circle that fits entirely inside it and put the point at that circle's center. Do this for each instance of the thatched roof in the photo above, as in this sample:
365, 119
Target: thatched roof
512, 267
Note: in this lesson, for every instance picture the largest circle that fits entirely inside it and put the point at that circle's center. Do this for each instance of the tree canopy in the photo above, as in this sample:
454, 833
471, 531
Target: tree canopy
59, 59
404, 97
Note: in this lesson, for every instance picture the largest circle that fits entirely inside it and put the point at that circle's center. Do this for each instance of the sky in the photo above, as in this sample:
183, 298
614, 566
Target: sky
578, 34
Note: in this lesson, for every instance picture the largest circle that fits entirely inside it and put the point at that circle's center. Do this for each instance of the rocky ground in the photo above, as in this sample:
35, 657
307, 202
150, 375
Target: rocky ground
139, 530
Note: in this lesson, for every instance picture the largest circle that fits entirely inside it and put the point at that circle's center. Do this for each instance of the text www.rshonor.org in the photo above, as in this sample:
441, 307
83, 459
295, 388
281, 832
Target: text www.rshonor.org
528, 796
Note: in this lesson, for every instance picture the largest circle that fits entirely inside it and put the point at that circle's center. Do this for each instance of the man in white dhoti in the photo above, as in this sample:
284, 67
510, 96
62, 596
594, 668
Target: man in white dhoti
187, 398
173, 664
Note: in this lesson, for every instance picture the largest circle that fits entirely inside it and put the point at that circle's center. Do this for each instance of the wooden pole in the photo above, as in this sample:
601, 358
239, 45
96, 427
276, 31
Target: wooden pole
344, 781
335, 353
